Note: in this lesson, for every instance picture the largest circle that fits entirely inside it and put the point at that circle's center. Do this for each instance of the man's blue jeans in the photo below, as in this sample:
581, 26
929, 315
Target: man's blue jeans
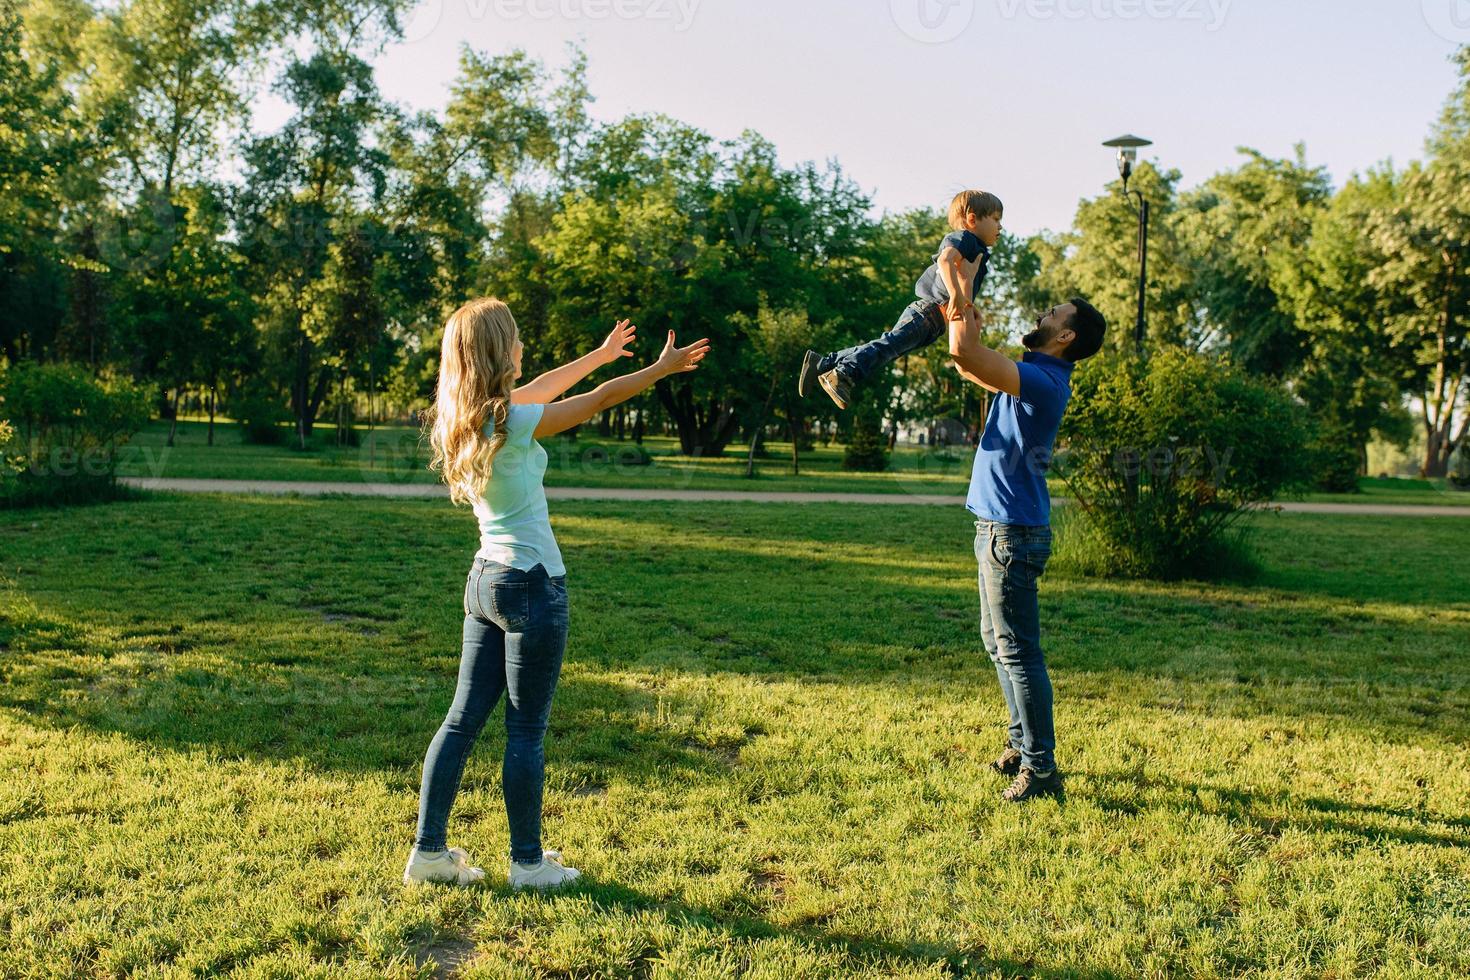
515, 633
1011, 558
921, 324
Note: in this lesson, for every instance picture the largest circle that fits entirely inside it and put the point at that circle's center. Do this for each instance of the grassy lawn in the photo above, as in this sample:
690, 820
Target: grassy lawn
766, 754
396, 456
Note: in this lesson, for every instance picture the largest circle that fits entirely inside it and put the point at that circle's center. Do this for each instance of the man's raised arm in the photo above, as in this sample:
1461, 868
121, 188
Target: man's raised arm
978, 363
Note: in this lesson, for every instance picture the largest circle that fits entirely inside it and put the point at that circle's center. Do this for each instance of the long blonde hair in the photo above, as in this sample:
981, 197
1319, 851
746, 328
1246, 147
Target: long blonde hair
476, 374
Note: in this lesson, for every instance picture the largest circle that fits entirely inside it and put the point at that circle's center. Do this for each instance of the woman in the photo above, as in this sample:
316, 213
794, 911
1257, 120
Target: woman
515, 626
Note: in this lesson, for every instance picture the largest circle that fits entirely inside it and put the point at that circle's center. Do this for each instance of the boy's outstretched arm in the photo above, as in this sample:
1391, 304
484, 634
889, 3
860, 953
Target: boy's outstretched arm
987, 368
550, 386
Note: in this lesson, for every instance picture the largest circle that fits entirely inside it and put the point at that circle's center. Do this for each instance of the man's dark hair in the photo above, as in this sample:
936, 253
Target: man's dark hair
1089, 326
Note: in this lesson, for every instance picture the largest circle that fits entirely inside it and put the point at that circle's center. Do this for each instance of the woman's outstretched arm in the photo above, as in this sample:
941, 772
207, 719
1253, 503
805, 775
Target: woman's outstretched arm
550, 386
562, 415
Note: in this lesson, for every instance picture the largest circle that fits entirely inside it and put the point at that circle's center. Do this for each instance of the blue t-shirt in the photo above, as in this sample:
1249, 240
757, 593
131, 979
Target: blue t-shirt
931, 285
1008, 483
515, 528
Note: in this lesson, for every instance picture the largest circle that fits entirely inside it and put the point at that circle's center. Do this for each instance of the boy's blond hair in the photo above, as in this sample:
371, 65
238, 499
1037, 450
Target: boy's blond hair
978, 203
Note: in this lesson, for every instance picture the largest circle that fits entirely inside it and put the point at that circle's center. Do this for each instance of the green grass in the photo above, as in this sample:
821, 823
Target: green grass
397, 456
767, 753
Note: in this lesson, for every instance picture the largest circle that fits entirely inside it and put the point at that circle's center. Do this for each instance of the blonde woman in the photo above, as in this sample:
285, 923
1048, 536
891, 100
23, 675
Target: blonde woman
483, 435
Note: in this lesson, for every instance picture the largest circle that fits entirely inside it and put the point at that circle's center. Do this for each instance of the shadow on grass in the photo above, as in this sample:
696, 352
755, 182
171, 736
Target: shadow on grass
1270, 814
863, 955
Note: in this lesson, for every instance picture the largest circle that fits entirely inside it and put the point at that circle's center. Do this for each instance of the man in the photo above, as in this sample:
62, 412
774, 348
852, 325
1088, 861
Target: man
1008, 496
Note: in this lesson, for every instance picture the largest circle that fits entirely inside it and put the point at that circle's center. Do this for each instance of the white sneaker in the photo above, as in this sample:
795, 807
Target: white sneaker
452, 866
550, 873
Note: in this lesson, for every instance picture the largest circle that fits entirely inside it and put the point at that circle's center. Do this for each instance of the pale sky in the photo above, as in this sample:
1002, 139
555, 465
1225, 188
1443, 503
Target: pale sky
918, 99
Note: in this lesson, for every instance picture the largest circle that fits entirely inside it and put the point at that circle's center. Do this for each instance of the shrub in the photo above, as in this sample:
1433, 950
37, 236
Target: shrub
1335, 458
260, 417
1460, 469
868, 450
66, 428
1163, 458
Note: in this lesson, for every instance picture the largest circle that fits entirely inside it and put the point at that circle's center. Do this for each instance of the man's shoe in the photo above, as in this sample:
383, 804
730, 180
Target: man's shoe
1009, 763
550, 873
452, 866
1029, 784
837, 386
809, 364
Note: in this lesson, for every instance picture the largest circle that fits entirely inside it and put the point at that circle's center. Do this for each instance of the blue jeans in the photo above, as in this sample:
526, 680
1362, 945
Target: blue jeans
515, 633
921, 324
1011, 558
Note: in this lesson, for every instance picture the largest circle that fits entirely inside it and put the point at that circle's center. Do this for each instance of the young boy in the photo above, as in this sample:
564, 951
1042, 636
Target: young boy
946, 291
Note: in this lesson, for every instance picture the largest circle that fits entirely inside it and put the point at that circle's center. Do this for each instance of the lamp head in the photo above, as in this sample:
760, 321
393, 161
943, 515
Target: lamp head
1127, 146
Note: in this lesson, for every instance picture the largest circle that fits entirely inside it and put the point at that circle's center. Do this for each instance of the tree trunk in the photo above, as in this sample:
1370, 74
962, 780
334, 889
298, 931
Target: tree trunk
795, 441
174, 424
704, 429
755, 431
211, 415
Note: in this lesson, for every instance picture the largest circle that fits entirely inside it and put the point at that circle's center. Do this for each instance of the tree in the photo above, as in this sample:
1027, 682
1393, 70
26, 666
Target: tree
1246, 232
1352, 369
1425, 272
778, 339
303, 187
186, 318
42, 157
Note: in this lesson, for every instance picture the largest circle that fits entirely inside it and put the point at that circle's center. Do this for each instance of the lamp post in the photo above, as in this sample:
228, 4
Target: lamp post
1127, 147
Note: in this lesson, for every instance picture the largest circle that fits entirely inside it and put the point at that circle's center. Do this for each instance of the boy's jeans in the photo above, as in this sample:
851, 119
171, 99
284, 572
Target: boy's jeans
921, 324
515, 632
1011, 558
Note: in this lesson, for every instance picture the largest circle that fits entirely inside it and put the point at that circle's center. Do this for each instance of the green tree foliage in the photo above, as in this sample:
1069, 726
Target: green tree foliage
306, 186
1098, 259
1424, 277
684, 233
145, 229
1246, 231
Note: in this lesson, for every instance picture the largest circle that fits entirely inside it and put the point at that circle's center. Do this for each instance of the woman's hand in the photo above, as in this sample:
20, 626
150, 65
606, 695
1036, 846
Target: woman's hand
675, 360
616, 344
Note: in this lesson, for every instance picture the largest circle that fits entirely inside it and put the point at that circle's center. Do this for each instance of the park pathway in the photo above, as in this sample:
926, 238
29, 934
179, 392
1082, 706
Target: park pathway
309, 488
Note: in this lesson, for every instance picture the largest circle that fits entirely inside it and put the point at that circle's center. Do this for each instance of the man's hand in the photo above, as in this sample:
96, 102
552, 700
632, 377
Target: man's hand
616, 344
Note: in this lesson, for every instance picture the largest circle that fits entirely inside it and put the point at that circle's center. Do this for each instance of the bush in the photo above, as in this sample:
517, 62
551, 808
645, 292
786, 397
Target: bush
65, 430
260, 417
1335, 459
1163, 458
1460, 469
868, 450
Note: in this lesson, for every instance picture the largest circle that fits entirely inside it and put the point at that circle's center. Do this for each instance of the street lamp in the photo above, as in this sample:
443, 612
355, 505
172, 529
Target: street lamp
1127, 147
